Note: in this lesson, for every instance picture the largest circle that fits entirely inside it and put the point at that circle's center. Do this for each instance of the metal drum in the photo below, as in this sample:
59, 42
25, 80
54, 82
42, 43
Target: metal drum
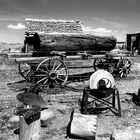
101, 74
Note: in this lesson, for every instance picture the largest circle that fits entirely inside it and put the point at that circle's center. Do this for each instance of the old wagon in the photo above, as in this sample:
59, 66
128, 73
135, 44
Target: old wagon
117, 65
49, 64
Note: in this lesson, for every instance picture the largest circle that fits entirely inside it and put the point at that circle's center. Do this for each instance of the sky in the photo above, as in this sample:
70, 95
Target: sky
100, 17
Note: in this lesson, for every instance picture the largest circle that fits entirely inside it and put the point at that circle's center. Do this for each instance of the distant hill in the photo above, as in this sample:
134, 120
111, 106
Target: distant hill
5, 46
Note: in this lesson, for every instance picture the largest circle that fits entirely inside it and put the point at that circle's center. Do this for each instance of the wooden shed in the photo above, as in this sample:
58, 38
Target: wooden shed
130, 38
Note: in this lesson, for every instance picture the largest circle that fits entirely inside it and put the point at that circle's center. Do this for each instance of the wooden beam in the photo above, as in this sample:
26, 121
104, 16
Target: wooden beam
29, 132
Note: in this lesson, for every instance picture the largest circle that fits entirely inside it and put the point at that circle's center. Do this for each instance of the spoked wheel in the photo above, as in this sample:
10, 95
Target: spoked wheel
124, 67
99, 63
111, 68
25, 71
52, 71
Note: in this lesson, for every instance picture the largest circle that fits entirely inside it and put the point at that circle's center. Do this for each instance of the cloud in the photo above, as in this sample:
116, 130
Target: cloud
137, 31
19, 26
102, 30
106, 22
92, 30
87, 29
125, 32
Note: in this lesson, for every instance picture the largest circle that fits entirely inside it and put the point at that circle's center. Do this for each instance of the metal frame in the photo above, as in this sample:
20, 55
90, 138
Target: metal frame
95, 96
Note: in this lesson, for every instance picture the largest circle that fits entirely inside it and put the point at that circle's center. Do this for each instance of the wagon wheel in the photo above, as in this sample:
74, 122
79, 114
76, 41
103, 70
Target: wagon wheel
124, 67
25, 71
52, 71
99, 63
111, 68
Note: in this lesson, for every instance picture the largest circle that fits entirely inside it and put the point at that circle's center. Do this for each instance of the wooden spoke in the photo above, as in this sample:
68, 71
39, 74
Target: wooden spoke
124, 67
127, 63
41, 80
25, 70
57, 67
54, 65
63, 69
98, 63
46, 81
45, 68
42, 70
122, 74
60, 79
56, 82
42, 75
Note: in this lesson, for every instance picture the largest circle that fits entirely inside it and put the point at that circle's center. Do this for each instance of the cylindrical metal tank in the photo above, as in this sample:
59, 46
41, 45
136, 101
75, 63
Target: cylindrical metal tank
101, 74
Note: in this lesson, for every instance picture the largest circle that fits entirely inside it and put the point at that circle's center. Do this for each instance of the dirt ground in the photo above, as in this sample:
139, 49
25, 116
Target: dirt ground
56, 127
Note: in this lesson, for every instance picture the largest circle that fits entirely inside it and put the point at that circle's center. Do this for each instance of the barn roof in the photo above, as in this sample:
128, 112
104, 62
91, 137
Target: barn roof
52, 26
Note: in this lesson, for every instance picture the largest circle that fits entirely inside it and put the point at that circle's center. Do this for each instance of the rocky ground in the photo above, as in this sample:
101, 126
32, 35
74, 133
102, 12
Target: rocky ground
55, 127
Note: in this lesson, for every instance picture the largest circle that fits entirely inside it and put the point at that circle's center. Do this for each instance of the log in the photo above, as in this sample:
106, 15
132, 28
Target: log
29, 124
18, 55
30, 60
37, 60
83, 126
76, 42
29, 132
73, 42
